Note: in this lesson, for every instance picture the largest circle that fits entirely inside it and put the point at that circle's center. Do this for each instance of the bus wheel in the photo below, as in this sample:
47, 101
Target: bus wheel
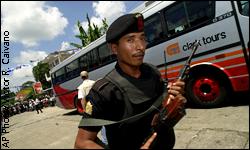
78, 106
206, 91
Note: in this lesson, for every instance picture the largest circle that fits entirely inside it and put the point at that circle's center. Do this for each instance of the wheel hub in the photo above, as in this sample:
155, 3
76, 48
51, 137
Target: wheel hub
206, 89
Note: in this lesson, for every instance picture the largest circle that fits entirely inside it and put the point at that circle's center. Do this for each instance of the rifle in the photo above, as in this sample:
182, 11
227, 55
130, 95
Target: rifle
171, 113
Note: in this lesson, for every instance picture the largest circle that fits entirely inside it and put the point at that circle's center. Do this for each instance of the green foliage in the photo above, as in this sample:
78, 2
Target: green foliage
8, 102
39, 73
76, 45
7, 93
7, 97
27, 84
104, 27
27, 91
93, 32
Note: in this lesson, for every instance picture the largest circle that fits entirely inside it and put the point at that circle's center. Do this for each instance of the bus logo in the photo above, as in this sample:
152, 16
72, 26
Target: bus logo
173, 49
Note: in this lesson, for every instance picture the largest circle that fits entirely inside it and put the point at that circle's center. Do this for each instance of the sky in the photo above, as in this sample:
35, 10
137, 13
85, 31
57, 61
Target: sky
37, 28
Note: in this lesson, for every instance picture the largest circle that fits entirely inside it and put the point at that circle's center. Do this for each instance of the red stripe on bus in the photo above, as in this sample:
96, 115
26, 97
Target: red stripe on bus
234, 71
237, 70
67, 100
240, 83
171, 75
229, 62
203, 60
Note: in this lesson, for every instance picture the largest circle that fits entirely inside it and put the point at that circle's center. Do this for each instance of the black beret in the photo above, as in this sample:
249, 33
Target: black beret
125, 24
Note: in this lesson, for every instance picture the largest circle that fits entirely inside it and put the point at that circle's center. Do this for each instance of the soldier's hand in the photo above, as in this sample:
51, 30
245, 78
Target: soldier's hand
176, 89
149, 141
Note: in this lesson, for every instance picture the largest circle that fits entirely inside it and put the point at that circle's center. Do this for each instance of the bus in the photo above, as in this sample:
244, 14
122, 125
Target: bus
219, 67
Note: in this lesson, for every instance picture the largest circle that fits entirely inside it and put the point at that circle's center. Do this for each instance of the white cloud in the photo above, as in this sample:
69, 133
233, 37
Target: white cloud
30, 22
27, 55
18, 77
24, 72
65, 46
109, 9
104, 9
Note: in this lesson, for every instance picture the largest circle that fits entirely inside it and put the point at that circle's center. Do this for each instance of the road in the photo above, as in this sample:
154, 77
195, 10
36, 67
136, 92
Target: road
226, 127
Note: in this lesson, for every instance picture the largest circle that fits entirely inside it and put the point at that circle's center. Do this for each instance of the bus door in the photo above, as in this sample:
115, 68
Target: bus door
241, 8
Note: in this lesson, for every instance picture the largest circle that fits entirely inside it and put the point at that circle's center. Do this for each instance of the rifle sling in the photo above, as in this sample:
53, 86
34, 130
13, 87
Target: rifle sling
102, 122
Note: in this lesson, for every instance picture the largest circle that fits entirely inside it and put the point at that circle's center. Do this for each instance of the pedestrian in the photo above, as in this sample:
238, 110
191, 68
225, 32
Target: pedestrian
84, 88
129, 89
38, 106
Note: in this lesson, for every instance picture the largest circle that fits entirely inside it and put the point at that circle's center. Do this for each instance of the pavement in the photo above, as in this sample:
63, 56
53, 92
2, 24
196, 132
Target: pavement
56, 128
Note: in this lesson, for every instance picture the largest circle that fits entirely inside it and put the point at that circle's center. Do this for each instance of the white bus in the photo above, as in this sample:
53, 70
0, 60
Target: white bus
220, 65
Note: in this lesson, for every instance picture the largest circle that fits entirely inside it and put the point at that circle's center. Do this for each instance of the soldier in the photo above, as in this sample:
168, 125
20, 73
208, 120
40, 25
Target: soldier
129, 89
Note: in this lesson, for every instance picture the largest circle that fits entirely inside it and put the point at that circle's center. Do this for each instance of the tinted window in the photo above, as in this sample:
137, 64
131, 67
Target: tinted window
59, 72
153, 29
59, 75
185, 15
244, 7
199, 11
72, 69
104, 53
83, 62
93, 59
176, 19
72, 66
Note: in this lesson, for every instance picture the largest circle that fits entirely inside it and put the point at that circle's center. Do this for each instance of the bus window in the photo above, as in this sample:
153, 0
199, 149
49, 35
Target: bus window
93, 59
185, 15
104, 53
59, 75
72, 69
153, 29
83, 62
176, 19
72, 66
199, 11
244, 7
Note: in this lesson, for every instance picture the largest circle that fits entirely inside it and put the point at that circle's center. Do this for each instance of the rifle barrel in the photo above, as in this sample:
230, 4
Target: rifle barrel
187, 64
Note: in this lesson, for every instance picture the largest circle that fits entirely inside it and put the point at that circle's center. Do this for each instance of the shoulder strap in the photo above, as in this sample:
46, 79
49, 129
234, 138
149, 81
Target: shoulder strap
99, 84
116, 79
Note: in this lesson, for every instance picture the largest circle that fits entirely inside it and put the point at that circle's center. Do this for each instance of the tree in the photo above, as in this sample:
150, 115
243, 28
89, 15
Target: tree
93, 32
39, 73
104, 27
7, 97
82, 36
27, 84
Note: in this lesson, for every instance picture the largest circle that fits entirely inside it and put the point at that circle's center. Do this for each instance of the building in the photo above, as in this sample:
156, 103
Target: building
55, 58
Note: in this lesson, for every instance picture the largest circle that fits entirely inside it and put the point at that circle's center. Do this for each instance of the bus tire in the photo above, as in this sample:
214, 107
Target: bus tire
206, 90
78, 106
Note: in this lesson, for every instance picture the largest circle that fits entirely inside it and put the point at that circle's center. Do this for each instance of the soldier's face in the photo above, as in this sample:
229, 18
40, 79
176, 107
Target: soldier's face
130, 49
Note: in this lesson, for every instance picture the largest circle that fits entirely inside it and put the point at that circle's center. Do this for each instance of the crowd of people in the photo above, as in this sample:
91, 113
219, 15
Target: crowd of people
27, 106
